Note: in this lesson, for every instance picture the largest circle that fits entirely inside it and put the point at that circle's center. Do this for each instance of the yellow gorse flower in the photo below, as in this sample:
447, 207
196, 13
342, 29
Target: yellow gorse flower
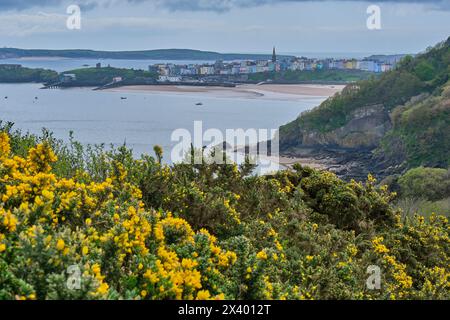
262, 255
102, 220
60, 245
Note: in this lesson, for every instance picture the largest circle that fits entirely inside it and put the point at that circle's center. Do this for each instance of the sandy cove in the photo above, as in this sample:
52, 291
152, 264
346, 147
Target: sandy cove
270, 91
252, 91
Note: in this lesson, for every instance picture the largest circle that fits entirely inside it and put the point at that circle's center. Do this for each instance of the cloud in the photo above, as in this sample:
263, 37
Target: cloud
23, 25
17, 5
20, 25
226, 5
194, 5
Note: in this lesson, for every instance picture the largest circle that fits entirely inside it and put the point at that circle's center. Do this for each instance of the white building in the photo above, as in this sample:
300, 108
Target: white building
206, 70
169, 79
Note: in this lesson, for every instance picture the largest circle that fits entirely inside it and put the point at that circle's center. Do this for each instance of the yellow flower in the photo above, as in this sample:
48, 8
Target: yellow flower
48, 194
103, 288
85, 250
151, 276
96, 268
352, 250
4, 144
60, 244
378, 246
189, 264
2, 247
262, 255
203, 295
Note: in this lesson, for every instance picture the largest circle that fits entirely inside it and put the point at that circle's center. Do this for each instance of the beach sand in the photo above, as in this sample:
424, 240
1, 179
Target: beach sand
292, 92
270, 91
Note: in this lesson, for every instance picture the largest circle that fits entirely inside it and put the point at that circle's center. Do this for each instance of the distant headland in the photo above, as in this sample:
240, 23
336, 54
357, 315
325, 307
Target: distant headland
159, 54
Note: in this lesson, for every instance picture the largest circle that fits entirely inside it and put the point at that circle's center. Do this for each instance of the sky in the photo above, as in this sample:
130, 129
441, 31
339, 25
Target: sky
244, 26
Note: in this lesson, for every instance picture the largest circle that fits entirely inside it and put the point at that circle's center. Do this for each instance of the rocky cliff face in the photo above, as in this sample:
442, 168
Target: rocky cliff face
377, 141
384, 125
366, 127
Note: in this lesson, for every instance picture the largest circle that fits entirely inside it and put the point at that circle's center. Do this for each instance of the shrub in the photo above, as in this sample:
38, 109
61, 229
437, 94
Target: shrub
426, 183
81, 223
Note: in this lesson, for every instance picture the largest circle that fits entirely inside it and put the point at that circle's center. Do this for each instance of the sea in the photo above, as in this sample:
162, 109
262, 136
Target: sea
136, 118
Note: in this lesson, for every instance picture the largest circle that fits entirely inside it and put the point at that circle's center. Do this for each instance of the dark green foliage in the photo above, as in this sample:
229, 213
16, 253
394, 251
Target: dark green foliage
102, 76
421, 132
320, 76
27, 75
426, 183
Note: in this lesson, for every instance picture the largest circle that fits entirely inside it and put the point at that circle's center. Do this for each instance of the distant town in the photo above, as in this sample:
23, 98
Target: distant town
170, 72
263, 69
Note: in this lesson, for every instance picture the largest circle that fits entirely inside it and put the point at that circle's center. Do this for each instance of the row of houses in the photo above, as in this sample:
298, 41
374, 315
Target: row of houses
177, 72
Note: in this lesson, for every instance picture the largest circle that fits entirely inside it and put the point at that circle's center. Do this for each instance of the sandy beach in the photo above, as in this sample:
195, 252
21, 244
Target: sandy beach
269, 91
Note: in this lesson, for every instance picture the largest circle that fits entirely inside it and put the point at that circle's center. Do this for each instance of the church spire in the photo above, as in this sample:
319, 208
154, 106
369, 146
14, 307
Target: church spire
274, 55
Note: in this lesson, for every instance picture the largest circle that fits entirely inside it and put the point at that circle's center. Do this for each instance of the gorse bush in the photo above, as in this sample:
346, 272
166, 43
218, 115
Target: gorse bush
426, 183
50, 223
125, 228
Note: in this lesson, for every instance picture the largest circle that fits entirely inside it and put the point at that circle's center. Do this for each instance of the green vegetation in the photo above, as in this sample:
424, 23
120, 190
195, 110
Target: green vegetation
321, 76
139, 229
421, 131
105, 75
21, 74
84, 76
427, 183
415, 96
422, 190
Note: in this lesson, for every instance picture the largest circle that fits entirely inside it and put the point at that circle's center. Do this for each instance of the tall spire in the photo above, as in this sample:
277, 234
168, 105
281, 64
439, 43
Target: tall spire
274, 55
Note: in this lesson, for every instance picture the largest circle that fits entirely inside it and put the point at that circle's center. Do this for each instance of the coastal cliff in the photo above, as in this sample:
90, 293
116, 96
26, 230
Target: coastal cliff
383, 126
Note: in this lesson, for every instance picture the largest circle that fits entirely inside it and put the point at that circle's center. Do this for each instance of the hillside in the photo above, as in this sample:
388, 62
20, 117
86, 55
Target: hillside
316, 76
398, 121
102, 76
160, 54
22, 74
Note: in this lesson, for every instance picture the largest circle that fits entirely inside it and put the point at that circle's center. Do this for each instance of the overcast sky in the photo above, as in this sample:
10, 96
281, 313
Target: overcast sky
293, 26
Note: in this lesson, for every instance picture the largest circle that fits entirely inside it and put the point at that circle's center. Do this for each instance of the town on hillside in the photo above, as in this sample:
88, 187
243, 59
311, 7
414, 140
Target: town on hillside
170, 72
277, 69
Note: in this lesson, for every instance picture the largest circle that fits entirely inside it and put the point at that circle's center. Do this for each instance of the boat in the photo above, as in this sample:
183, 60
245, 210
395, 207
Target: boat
123, 98
199, 104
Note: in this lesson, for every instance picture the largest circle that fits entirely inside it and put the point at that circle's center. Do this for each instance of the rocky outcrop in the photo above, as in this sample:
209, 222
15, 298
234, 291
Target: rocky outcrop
365, 128
398, 121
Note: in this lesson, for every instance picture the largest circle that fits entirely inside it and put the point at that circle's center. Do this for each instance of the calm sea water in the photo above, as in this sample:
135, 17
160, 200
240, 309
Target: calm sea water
143, 119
